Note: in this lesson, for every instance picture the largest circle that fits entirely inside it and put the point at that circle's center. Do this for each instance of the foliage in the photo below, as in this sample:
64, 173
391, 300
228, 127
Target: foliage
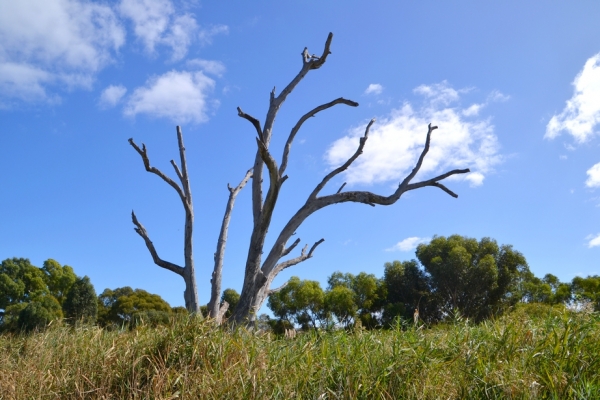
587, 289
232, 297
31, 297
478, 279
407, 287
36, 314
124, 306
340, 302
81, 303
59, 279
552, 354
20, 281
300, 302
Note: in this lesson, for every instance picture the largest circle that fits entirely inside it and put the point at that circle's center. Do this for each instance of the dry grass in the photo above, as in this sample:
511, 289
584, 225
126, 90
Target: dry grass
534, 352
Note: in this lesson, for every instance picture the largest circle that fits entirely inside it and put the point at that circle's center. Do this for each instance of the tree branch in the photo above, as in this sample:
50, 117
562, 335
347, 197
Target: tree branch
289, 249
221, 313
254, 122
417, 167
345, 166
297, 260
213, 304
278, 289
157, 260
296, 128
315, 62
144, 154
434, 181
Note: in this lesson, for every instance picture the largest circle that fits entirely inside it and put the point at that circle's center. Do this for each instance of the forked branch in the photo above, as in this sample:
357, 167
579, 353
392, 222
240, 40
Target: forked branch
144, 154
297, 260
157, 260
296, 128
345, 166
213, 304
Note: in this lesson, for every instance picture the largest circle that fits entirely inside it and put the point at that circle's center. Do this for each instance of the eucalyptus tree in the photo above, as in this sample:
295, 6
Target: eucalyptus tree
259, 273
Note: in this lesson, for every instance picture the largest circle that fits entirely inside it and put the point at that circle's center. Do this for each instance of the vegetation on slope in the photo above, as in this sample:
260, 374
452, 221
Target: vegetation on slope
535, 351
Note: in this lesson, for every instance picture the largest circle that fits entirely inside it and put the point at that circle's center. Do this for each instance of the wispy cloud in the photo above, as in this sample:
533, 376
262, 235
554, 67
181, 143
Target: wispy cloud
374, 88
45, 43
396, 140
593, 179
178, 95
593, 240
408, 244
111, 96
155, 23
582, 112
206, 35
209, 66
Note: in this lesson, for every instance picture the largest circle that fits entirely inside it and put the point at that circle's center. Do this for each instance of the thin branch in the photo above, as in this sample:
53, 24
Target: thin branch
184, 174
177, 171
289, 249
417, 167
157, 260
302, 257
144, 154
341, 187
310, 114
434, 181
314, 61
278, 289
254, 122
221, 243
345, 166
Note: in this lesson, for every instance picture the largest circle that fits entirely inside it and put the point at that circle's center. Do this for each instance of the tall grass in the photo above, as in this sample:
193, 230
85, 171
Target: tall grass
534, 352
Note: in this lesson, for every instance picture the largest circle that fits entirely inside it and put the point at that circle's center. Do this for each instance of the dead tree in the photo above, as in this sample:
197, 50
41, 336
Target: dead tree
215, 310
259, 274
187, 271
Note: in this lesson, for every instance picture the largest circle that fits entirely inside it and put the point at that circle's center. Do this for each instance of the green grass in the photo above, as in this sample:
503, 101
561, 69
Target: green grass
533, 352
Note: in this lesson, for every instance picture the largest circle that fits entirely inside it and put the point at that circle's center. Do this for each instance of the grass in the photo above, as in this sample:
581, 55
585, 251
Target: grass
533, 352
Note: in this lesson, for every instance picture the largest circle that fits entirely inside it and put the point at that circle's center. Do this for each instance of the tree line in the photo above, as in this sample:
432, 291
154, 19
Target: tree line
456, 274
478, 279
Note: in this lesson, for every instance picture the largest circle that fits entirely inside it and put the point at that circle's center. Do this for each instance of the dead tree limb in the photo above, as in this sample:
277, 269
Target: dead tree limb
258, 274
214, 310
185, 194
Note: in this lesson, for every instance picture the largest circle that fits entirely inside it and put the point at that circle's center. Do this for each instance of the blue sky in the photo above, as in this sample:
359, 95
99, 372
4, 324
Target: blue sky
514, 88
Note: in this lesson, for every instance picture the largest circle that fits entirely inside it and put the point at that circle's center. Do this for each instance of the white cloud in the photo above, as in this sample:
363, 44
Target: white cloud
112, 95
180, 96
209, 66
206, 35
439, 93
374, 88
396, 141
594, 241
472, 110
50, 42
155, 23
582, 112
593, 179
497, 96
408, 244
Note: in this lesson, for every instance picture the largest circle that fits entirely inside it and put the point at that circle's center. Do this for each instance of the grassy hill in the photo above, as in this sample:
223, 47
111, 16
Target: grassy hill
533, 352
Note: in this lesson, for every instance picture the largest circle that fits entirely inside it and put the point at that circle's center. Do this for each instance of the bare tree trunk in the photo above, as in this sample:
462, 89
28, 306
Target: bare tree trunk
258, 274
214, 309
187, 271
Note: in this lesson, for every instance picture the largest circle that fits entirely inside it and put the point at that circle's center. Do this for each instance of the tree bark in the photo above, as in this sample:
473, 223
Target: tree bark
185, 194
214, 308
258, 274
